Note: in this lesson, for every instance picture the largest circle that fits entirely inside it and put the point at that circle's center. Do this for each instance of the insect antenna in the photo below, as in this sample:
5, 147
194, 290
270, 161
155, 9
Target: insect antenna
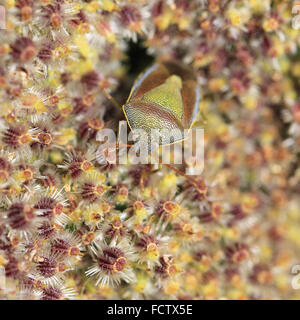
111, 99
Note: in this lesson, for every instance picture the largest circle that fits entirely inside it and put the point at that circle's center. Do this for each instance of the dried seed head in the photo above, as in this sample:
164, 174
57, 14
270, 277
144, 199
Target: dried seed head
59, 246
65, 244
5, 169
92, 192
168, 209
150, 245
51, 293
212, 215
90, 79
46, 230
23, 49
53, 13
15, 137
115, 227
89, 129
45, 53
131, 17
141, 175
261, 274
167, 267
78, 164
112, 260
49, 179
237, 253
88, 237
20, 216
47, 267
196, 191
16, 268
122, 194
49, 207
26, 9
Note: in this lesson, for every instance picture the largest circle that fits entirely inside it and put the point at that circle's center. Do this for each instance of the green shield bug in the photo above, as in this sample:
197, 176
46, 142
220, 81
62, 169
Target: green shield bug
165, 96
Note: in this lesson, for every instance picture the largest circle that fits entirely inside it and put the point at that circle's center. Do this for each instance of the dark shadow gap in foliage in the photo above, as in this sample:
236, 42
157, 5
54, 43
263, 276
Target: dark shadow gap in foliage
137, 58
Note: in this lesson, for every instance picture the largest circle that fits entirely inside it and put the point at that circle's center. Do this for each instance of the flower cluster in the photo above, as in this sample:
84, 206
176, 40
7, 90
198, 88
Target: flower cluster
71, 227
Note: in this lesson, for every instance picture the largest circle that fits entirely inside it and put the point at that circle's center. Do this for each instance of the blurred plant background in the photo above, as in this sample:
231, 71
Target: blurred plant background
71, 228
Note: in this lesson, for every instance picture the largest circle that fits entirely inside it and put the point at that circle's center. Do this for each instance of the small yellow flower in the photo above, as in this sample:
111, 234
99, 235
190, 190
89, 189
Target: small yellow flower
172, 288
141, 283
32, 100
270, 24
92, 6
65, 135
3, 261
108, 5
10, 3
238, 17
56, 157
167, 183
217, 84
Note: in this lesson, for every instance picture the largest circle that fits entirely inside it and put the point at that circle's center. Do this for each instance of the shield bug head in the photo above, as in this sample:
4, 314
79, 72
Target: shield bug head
165, 96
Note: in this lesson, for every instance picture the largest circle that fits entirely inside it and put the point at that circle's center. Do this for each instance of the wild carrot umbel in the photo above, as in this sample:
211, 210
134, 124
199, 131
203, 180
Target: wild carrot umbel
76, 224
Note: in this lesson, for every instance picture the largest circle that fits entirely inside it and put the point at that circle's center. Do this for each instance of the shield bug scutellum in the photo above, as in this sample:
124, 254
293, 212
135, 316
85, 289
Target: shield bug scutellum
164, 96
